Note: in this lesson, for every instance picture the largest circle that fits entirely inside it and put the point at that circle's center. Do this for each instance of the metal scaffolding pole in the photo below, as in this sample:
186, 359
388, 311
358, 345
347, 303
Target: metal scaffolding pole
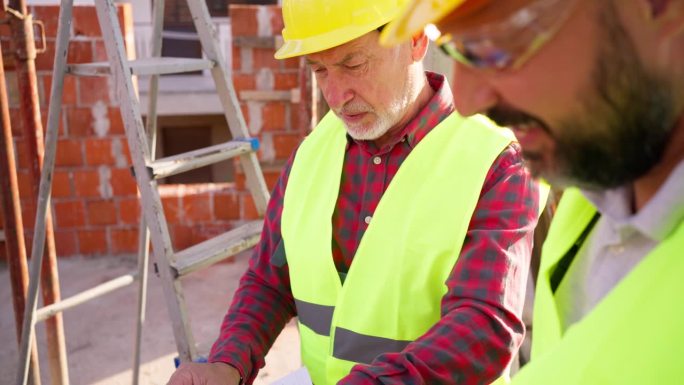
23, 47
13, 223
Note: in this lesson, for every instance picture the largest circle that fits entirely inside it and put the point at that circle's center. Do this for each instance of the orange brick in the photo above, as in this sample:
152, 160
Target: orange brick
79, 122
236, 58
274, 116
22, 153
61, 184
243, 20
123, 183
69, 214
248, 209
285, 144
243, 82
101, 213
25, 182
46, 60
68, 92
92, 90
129, 211
65, 243
124, 240
80, 51
49, 15
263, 58
69, 153
226, 206
87, 183
99, 152
286, 81
28, 215
84, 21
116, 125
197, 208
271, 177
291, 63
172, 209
92, 242
182, 236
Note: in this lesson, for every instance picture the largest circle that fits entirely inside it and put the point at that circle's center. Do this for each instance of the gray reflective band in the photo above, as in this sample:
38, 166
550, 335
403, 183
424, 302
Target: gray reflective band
316, 317
361, 348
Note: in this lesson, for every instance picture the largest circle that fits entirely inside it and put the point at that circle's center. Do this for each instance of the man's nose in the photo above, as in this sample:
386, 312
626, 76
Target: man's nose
336, 91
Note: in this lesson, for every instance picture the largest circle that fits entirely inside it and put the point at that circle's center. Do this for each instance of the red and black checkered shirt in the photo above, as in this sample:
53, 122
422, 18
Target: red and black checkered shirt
481, 325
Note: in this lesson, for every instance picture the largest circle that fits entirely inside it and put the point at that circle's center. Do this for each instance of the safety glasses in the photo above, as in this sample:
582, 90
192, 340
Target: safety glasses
509, 43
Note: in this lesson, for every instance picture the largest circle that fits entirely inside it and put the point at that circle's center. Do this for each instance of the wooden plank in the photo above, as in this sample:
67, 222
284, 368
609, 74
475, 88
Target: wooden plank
191, 160
117, 283
292, 96
145, 67
218, 248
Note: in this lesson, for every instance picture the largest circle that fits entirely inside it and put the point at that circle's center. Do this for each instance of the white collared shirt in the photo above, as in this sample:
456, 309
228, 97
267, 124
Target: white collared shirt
618, 242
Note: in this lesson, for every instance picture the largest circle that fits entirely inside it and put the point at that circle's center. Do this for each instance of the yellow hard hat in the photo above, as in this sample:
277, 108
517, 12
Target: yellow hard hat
415, 15
316, 25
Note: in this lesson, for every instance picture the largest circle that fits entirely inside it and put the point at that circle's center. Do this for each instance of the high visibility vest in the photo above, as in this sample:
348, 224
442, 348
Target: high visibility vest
635, 335
392, 292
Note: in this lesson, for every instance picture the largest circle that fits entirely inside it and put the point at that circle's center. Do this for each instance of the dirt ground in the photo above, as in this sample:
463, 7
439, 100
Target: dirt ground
100, 334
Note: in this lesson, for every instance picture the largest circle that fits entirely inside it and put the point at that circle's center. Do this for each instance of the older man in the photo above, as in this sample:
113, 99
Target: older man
595, 93
399, 232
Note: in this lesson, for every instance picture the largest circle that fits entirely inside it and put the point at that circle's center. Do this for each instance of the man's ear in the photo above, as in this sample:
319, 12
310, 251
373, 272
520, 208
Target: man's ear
419, 46
668, 14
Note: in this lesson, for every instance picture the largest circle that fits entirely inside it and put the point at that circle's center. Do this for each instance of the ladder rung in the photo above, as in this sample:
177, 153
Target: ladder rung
215, 249
191, 160
143, 67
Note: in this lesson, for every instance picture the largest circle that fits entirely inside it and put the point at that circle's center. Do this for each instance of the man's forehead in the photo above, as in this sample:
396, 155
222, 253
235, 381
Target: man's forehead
346, 51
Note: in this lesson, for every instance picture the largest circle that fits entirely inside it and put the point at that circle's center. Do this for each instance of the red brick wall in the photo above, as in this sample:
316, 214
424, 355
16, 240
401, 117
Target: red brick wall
94, 197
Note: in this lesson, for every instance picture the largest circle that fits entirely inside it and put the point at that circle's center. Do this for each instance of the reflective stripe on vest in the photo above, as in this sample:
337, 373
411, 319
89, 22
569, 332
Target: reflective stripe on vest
392, 292
634, 336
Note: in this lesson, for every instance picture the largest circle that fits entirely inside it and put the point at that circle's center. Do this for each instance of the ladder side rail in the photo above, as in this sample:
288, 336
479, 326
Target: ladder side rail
143, 231
152, 208
229, 100
45, 186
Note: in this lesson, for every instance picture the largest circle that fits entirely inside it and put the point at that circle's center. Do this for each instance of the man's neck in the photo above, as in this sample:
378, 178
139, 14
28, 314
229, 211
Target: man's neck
420, 101
648, 185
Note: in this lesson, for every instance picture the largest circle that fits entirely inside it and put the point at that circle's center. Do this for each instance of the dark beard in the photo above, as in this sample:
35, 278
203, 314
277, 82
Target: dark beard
625, 129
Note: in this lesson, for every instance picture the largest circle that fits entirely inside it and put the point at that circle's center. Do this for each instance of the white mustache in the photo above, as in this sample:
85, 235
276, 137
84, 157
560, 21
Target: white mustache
354, 109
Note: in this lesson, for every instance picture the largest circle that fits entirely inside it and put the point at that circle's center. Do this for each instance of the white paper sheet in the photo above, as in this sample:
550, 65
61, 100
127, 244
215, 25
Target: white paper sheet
298, 377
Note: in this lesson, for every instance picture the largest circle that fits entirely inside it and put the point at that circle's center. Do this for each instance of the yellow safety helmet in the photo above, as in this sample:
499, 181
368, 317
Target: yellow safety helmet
317, 25
415, 15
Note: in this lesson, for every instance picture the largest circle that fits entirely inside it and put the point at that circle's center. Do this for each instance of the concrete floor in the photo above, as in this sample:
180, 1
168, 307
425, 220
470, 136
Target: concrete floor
100, 334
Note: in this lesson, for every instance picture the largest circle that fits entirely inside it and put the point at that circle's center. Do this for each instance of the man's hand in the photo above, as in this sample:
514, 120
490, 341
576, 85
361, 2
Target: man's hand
216, 373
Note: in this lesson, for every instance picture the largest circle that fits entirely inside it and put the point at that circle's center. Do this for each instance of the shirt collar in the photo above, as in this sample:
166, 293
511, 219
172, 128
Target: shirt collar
432, 113
656, 220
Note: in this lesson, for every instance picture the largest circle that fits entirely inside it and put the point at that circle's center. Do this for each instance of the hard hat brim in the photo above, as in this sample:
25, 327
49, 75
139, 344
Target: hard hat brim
415, 15
298, 47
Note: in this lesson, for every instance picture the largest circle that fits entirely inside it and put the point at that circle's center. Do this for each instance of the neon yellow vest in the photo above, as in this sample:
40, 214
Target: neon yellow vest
392, 292
635, 335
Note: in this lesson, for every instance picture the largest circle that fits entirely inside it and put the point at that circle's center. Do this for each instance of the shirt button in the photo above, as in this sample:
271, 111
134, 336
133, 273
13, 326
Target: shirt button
367, 219
377, 160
